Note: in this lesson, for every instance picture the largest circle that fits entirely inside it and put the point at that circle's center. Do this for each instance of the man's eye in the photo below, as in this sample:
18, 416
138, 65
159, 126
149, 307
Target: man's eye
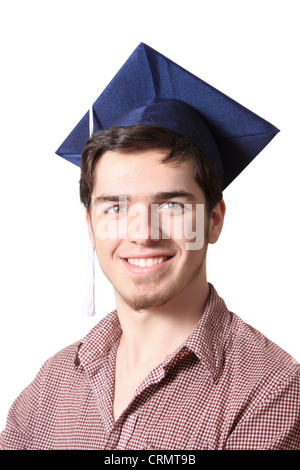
172, 206
115, 210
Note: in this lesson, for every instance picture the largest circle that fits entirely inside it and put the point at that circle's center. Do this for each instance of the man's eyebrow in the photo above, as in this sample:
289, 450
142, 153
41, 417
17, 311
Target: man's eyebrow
110, 198
160, 196
173, 194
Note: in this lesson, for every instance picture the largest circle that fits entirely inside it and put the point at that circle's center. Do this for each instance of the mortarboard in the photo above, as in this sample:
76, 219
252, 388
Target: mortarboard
151, 89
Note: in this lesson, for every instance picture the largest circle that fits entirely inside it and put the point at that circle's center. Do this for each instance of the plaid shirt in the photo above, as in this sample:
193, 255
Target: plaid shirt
226, 387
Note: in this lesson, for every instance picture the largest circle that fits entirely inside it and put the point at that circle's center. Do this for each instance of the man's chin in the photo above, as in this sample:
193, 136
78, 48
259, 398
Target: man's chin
145, 302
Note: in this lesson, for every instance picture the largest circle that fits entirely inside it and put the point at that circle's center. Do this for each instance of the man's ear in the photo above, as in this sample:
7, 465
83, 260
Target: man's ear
90, 228
216, 221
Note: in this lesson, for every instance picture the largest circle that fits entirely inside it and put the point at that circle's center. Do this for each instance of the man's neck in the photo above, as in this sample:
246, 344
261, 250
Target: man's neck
149, 336
152, 334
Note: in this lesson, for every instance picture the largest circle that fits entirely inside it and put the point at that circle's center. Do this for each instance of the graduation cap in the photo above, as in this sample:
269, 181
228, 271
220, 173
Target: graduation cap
151, 89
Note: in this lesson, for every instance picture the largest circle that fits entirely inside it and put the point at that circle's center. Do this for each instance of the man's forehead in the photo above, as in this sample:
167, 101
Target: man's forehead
135, 172
128, 161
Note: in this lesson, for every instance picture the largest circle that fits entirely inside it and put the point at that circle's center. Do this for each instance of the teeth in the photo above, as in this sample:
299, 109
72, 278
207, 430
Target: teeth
146, 262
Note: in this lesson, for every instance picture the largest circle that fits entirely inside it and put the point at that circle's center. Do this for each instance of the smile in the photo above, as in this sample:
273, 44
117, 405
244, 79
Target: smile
147, 262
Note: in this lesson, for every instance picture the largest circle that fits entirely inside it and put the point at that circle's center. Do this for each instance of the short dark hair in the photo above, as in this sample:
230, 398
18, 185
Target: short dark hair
144, 138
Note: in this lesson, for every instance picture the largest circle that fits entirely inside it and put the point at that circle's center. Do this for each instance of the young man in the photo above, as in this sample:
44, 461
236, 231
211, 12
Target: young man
171, 367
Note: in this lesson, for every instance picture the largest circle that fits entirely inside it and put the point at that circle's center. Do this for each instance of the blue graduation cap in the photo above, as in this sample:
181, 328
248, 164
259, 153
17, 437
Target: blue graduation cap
151, 89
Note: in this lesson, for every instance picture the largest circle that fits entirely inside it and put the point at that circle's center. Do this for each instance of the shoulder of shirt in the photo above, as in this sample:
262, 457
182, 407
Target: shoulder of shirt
257, 355
229, 346
68, 356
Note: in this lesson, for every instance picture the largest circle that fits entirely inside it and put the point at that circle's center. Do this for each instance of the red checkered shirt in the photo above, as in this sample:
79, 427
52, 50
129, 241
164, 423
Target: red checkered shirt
226, 387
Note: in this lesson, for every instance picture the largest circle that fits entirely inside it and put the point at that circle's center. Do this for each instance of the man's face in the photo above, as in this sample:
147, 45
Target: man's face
137, 227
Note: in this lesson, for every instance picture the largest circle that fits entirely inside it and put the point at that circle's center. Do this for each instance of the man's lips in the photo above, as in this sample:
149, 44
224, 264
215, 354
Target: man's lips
146, 263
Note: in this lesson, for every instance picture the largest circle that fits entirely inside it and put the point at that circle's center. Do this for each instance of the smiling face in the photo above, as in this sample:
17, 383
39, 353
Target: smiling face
147, 259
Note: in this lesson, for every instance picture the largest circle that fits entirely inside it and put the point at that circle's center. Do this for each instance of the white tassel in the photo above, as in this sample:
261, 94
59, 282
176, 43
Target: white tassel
89, 300
91, 121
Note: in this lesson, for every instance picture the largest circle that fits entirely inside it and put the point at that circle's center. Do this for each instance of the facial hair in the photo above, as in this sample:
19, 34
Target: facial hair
150, 298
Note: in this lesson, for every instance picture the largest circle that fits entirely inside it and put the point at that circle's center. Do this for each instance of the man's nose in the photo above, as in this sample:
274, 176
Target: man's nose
143, 223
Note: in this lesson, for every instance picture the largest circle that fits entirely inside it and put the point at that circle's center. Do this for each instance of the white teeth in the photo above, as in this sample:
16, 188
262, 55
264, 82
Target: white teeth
146, 262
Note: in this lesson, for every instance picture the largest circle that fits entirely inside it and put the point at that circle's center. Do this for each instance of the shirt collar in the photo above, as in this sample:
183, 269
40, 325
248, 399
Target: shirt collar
207, 341
209, 338
99, 341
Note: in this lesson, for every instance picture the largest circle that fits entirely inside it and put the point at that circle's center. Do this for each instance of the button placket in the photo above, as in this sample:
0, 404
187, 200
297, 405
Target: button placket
127, 431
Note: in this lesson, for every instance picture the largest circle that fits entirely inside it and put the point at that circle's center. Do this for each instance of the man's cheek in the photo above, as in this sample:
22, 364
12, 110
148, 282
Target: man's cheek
194, 227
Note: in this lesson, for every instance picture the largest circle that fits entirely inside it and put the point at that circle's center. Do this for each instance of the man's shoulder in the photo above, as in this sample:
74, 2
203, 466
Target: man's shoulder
245, 351
60, 365
94, 341
257, 356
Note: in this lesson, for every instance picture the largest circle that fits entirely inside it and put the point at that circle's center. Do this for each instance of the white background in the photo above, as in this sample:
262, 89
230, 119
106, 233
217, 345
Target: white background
56, 58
